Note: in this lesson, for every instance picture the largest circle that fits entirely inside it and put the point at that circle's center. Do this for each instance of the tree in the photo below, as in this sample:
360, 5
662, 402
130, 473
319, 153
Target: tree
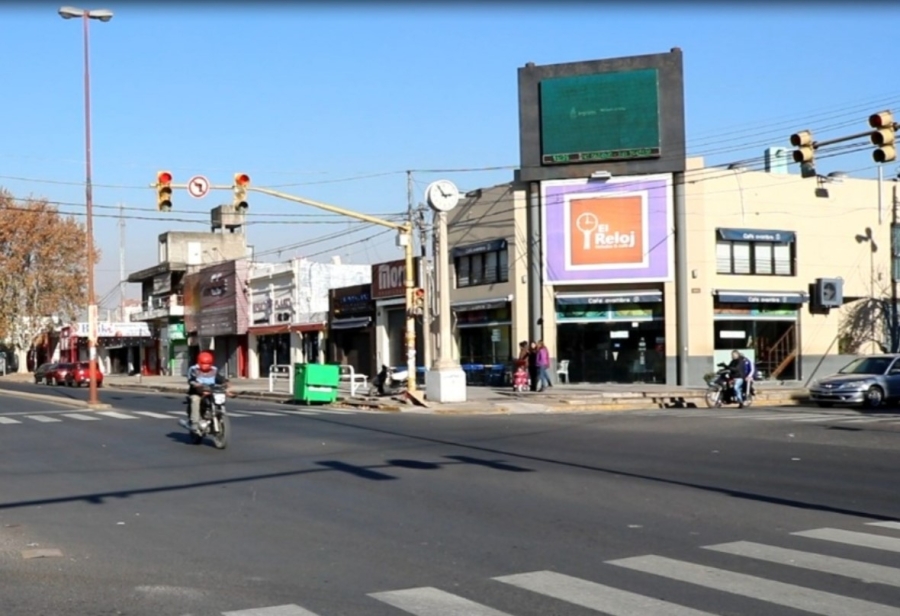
868, 320
42, 270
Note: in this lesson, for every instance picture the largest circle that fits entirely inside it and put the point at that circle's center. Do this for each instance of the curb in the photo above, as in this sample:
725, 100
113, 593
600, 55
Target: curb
81, 404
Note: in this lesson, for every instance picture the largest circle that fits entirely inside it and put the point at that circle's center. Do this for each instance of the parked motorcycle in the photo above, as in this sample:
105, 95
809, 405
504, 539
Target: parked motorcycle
721, 389
389, 382
214, 420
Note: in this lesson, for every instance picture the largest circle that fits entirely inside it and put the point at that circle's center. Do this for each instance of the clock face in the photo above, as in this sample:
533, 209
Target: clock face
443, 195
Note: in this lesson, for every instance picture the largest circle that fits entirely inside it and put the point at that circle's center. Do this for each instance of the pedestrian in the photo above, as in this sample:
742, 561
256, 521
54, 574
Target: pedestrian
533, 371
520, 374
543, 364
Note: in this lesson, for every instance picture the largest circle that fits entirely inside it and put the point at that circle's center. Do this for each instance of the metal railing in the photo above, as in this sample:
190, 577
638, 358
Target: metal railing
281, 372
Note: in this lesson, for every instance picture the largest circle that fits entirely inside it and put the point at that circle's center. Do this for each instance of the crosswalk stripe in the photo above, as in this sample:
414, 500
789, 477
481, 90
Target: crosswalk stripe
292, 412
597, 597
43, 418
849, 537
81, 417
116, 415
781, 417
278, 610
232, 414
265, 413
893, 525
779, 593
815, 562
433, 602
152, 414
9, 420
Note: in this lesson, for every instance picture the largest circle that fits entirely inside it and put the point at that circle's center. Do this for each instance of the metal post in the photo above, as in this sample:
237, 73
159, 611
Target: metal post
535, 295
410, 309
445, 355
89, 206
681, 278
880, 193
895, 260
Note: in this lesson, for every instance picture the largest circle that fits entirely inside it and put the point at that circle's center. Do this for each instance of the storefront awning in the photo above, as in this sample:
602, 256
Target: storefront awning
480, 304
757, 235
350, 323
761, 297
269, 330
308, 327
609, 297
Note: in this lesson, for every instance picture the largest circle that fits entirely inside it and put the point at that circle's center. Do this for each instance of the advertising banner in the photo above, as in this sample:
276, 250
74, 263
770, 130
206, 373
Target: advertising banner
618, 230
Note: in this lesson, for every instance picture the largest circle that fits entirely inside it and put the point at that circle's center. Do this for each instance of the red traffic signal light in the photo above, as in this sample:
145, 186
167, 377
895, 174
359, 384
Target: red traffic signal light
241, 179
164, 177
882, 119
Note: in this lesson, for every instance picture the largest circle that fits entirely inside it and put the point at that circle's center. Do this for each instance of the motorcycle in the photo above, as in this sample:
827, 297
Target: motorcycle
389, 382
721, 389
214, 420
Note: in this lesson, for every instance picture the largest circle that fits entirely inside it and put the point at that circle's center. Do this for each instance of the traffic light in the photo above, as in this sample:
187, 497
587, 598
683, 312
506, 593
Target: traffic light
241, 181
829, 292
883, 136
164, 191
805, 152
419, 297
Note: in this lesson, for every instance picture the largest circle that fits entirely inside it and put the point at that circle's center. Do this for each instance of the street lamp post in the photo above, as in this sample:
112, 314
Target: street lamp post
68, 12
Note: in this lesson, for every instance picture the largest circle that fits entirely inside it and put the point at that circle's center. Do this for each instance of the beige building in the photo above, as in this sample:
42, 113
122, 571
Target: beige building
757, 242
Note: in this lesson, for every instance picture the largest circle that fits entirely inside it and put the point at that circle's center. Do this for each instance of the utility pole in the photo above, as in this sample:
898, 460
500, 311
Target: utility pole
121, 262
895, 269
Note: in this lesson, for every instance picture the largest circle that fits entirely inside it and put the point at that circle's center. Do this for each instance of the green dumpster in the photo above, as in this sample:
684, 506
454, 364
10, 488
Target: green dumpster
316, 382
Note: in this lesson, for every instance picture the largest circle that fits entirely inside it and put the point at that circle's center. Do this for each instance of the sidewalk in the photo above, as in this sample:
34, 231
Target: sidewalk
560, 398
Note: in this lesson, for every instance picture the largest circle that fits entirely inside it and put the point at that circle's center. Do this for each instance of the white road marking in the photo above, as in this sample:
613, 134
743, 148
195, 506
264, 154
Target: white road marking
779, 593
433, 602
152, 414
849, 537
115, 415
278, 610
893, 525
597, 597
81, 417
43, 418
8, 420
866, 572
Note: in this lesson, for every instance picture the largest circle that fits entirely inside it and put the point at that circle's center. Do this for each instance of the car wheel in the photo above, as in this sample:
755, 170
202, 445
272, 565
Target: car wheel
874, 397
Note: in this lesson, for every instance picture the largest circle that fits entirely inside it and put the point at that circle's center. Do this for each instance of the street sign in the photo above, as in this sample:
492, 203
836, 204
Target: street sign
198, 187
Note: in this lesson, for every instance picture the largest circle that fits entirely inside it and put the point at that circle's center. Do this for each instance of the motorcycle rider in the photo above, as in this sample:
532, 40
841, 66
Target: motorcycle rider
200, 375
741, 369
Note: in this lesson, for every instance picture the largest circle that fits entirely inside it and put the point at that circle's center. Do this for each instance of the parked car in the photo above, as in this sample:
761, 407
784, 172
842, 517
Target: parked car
79, 375
866, 381
42, 374
57, 375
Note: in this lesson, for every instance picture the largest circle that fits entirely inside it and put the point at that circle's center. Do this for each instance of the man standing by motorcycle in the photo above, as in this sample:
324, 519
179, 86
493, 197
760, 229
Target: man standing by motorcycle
741, 369
200, 375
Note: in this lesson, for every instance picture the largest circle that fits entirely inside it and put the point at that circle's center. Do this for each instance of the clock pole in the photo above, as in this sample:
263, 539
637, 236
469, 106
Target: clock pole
446, 381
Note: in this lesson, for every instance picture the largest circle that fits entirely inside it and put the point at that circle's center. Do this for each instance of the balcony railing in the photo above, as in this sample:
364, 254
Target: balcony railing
159, 307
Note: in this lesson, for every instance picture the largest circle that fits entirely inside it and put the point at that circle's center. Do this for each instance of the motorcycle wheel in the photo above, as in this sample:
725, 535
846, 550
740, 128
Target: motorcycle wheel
220, 439
713, 397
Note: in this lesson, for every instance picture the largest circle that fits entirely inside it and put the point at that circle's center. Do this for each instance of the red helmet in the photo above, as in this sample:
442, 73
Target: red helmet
205, 359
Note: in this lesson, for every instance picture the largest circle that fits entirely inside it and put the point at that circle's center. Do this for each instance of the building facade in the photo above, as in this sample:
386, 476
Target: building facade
487, 235
351, 328
289, 310
756, 242
389, 295
162, 293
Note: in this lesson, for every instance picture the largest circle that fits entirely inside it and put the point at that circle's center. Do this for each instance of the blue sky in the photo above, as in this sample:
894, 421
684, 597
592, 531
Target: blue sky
334, 104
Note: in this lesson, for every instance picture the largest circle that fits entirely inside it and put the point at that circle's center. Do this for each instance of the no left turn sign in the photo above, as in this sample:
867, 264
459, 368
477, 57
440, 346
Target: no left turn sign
198, 187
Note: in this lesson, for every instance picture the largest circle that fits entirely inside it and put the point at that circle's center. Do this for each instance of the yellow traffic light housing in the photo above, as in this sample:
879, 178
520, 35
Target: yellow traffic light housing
883, 137
241, 182
805, 151
164, 191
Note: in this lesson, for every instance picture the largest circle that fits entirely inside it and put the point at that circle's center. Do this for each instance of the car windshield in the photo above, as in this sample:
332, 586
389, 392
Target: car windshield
867, 365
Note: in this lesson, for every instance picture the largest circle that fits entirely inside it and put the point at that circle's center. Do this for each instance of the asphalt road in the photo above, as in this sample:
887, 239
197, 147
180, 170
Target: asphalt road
352, 514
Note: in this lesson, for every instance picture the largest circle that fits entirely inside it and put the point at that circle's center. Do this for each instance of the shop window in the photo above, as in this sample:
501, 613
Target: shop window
755, 258
482, 268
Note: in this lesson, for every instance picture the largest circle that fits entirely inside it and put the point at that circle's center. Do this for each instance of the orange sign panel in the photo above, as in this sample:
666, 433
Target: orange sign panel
607, 231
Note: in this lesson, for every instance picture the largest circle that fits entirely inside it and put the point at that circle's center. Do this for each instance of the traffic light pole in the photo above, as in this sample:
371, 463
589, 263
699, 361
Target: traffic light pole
405, 230
895, 271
